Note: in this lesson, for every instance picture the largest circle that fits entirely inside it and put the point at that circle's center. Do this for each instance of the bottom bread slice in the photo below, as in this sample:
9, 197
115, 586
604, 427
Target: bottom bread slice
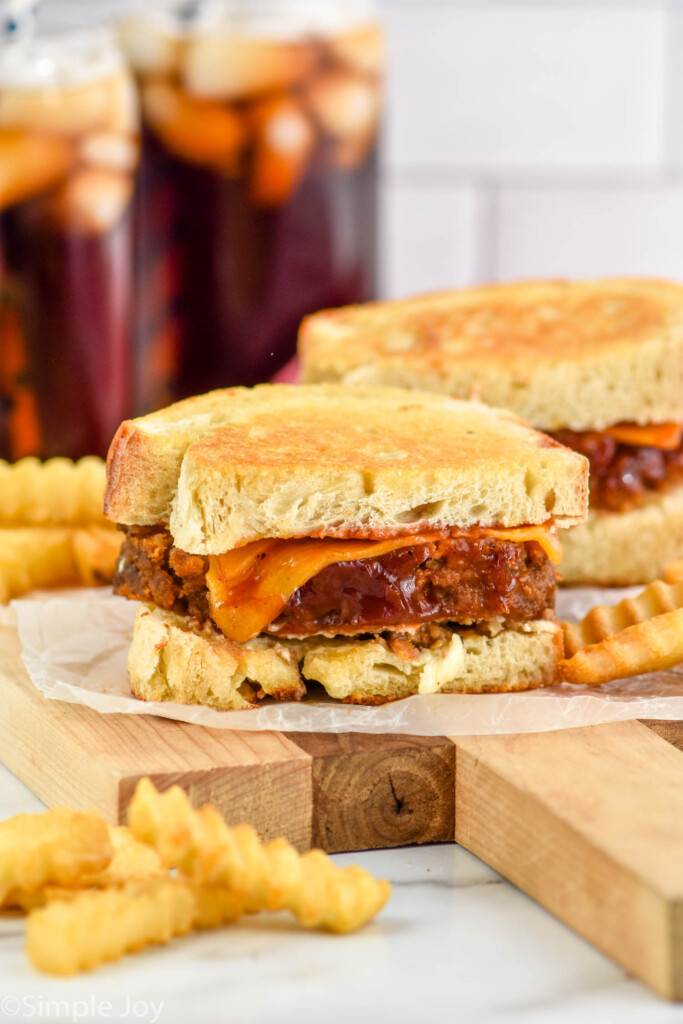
369, 672
625, 548
169, 661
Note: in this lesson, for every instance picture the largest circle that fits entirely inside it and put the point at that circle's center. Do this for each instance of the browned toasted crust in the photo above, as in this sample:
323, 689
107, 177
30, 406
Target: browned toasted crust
278, 461
117, 457
507, 321
146, 453
558, 353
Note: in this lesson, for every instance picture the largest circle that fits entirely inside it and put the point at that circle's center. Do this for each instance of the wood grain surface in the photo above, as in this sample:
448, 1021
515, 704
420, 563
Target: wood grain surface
672, 732
589, 822
377, 791
68, 754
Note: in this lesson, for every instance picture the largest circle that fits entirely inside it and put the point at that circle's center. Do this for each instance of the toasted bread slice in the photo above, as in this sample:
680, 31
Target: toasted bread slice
622, 549
368, 672
167, 661
282, 461
581, 355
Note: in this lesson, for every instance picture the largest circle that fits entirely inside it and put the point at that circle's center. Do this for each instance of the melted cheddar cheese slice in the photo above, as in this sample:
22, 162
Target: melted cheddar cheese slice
545, 536
250, 586
653, 435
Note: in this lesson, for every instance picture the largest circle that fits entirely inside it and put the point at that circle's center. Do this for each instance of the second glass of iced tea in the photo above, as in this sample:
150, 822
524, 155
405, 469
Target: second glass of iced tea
257, 198
68, 156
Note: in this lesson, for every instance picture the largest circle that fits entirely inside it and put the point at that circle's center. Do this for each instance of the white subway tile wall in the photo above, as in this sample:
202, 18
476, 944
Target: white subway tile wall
540, 138
523, 138
610, 229
523, 88
441, 227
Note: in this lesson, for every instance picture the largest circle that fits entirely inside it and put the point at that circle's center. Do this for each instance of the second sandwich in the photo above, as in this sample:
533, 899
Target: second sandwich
599, 364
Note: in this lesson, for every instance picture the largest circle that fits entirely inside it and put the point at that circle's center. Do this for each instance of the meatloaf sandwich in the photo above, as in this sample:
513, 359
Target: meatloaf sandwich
597, 364
379, 542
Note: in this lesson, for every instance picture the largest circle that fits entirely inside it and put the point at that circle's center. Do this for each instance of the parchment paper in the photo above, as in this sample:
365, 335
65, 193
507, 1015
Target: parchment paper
75, 644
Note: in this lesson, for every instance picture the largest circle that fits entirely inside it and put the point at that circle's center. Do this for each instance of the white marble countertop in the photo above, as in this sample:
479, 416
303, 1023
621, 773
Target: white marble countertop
456, 943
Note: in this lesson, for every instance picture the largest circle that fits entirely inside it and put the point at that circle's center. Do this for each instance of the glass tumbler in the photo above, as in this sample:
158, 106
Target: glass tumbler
258, 193
68, 156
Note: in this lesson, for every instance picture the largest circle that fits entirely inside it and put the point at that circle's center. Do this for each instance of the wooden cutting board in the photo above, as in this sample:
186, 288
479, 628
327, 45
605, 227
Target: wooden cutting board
589, 822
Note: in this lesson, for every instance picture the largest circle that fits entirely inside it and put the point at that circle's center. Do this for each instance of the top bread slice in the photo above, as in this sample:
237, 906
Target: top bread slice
581, 355
237, 465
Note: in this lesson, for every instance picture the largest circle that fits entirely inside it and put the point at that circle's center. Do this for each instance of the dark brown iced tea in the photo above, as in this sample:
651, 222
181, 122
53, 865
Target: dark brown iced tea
68, 152
265, 149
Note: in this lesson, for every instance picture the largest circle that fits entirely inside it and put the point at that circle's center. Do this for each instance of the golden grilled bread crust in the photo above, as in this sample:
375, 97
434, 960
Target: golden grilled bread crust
282, 461
582, 355
146, 454
623, 549
168, 662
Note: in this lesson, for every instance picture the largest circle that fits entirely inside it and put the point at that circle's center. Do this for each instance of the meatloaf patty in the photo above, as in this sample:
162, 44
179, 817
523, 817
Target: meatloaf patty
464, 579
621, 475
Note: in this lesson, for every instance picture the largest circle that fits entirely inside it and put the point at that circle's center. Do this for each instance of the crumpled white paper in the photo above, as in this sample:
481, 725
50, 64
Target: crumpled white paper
75, 646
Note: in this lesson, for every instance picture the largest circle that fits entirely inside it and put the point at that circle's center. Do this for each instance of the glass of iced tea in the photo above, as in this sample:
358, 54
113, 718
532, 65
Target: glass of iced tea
257, 198
68, 155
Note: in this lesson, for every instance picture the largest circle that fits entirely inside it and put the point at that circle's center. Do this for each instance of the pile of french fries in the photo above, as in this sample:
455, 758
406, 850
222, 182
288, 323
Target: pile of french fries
52, 530
94, 893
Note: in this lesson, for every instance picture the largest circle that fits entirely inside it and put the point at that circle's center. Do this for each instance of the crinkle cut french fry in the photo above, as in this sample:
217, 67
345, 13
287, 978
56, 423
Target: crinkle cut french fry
97, 926
603, 621
38, 557
216, 905
649, 646
132, 861
270, 876
673, 573
226, 873
56, 492
96, 551
32, 558
59, 846
101, 925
